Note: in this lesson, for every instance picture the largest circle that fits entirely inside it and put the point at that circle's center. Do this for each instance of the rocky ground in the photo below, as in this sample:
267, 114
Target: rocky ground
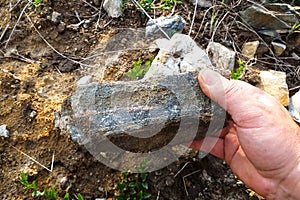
45, 48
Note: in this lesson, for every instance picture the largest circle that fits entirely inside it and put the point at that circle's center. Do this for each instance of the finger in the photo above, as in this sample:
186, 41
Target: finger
244, 102
214, 146
245, 171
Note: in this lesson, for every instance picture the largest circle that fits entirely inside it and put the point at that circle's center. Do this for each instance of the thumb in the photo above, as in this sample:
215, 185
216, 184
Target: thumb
244, 102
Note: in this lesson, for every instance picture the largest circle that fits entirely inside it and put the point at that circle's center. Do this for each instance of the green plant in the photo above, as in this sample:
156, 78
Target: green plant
169, 4
49, 194
35, 3
147, 5
139, 69
134, 186
295, 27
238, 73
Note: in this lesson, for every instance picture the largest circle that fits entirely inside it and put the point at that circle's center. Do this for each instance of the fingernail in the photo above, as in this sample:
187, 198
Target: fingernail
209, 76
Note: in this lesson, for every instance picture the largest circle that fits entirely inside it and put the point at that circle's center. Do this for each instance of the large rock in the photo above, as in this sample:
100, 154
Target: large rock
163, 109
113, 8
270, 17
274, 83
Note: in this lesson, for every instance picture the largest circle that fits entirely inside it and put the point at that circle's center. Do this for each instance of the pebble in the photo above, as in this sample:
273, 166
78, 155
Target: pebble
3, 131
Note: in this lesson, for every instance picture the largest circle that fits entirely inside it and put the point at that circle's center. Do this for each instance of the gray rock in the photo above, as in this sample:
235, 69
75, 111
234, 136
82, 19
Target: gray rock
170, 25
113, 8
221, 57
294, 106
137, 109
117, 120
3, 131
273, 18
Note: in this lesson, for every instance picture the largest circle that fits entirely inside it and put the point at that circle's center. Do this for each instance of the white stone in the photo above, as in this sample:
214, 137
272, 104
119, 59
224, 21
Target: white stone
84, 80
113, 8
3, 131
279, 48
249, 49
294, 106
203, 3
221, 57
177, 55
274, 83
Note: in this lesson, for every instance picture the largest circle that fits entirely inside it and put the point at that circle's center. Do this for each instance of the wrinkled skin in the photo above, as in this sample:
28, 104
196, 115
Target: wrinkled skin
261, 143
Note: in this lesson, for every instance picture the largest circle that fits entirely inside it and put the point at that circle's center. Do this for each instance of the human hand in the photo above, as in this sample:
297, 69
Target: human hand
261, 143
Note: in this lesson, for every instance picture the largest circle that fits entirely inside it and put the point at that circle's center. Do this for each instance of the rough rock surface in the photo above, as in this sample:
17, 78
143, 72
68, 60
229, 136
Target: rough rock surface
249, 49
113, 8
274, 83
221, 57
170, 25
149, 112
178, 55
270, 17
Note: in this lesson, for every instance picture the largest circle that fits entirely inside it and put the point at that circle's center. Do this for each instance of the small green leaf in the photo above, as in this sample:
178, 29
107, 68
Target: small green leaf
24, 179
145, 186
146, 196
80, 197
52, 194
67, 196
132, 184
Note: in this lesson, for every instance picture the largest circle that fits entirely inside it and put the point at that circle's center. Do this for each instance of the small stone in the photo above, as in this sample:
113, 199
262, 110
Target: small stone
279, 48
61, 27
33, 114
170, 25
56, 17
221, 57
274, 83
113, 8
203, 3
64, 183
294, 106
84, 80
3, 131
249, 49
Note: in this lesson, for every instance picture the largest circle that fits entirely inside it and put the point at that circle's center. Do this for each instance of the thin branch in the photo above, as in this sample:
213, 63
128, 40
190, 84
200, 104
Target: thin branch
22, 12
203, 19
56, 51
4, 31
187, 193
34, 160
181, 169
295, 88
216, 28
194, 16
158, 194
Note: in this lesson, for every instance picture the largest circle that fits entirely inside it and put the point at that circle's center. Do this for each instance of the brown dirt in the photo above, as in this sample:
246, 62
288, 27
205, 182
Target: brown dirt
34, 81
